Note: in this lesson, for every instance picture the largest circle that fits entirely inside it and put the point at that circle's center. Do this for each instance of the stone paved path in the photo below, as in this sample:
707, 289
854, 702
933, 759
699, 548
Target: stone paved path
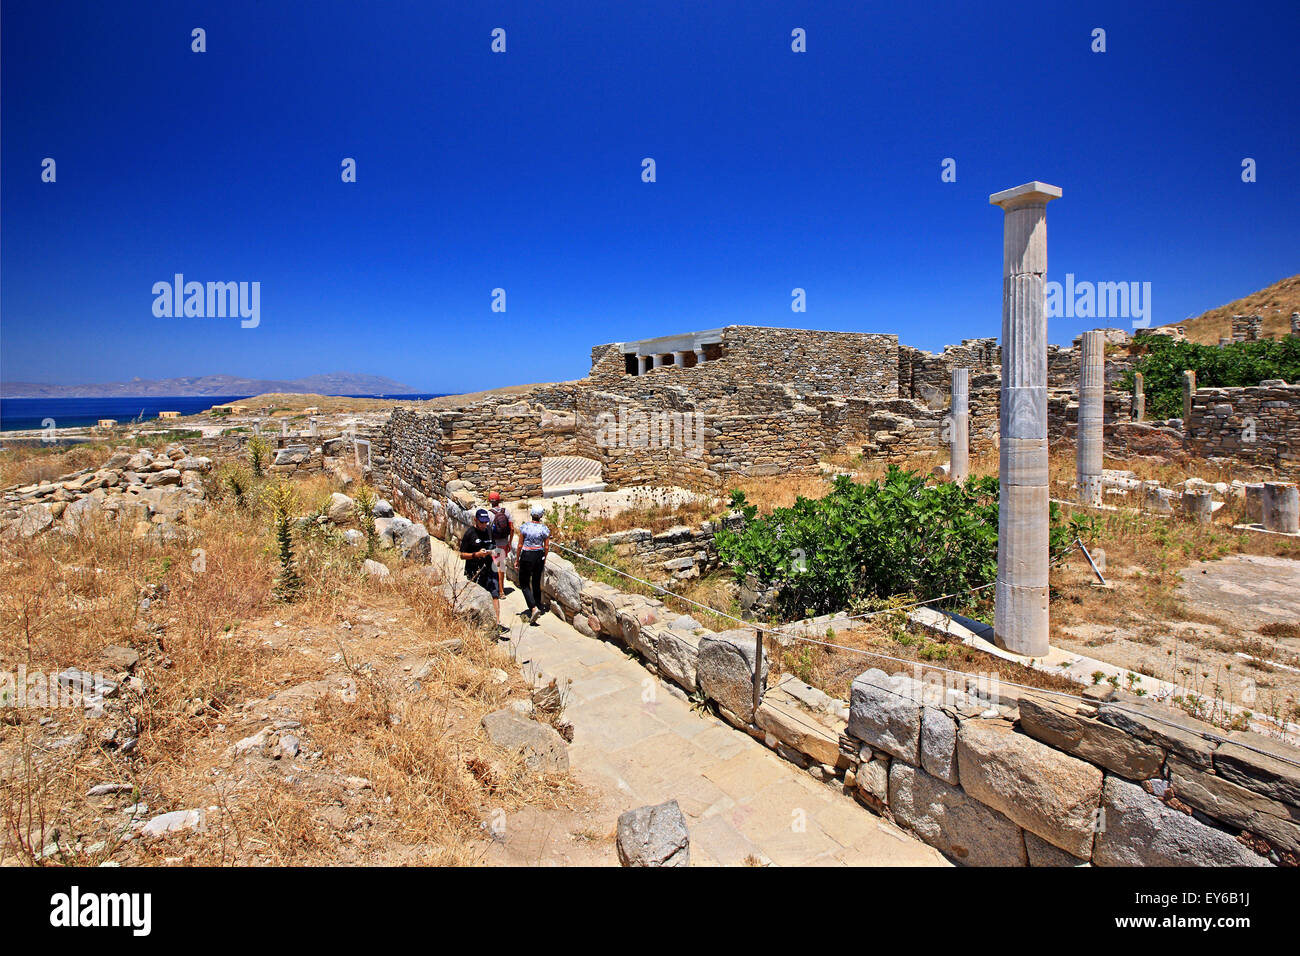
637, 743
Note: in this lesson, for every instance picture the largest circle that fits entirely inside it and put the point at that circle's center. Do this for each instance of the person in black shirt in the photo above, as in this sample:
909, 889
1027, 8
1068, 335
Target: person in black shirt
478, 550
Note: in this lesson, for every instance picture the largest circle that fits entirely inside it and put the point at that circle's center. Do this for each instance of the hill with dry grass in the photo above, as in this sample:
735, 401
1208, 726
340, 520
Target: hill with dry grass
1275, 304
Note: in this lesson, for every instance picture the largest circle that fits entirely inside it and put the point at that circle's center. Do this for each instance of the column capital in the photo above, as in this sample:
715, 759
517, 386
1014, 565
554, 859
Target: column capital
1030, 194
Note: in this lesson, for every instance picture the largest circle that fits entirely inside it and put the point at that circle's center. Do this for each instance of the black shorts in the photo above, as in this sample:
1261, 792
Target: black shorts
489, 582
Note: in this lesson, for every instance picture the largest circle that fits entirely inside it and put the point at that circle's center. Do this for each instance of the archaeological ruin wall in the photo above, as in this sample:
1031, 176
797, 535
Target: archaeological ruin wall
1259, 425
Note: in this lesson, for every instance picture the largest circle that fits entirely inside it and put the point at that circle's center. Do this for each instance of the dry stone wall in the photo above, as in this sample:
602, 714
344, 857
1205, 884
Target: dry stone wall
1260, 425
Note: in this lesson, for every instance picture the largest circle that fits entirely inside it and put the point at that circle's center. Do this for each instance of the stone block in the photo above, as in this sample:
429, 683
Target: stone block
1041, 789
1162, 726
956, 825
726, 670
1137, 829
939, 744
885, 712
1236, 806
1275, 772
1057, 724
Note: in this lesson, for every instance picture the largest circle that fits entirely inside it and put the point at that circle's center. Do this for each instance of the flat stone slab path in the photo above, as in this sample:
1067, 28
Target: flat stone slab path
637, 743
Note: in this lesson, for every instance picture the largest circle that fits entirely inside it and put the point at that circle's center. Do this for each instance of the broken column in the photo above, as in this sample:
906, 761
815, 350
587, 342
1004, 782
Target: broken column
1280, 503
1020, 611
1189, 389
1088, 435
959, 424
1295, 323
1139, 399
1198, 504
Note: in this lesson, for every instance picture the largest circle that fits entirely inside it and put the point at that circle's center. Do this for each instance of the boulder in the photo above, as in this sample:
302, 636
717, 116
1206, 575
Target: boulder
885, 712
32, 520
1041, 789
543, 748
383, 509
725, 670
168, 476
1137, 829
375, 569
959, 827
82, 513
341, 508
654, 836
201, 465
470, 601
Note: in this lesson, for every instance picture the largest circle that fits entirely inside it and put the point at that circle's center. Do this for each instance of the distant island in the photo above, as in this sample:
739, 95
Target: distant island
333, 383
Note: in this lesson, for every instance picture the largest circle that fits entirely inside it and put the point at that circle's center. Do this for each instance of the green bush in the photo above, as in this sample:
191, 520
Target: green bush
897, 536
1217, 366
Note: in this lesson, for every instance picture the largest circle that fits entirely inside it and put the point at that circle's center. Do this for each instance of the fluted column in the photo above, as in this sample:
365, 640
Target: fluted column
960, 424
1092, 365
1139, 398
1020, 612
1189, 389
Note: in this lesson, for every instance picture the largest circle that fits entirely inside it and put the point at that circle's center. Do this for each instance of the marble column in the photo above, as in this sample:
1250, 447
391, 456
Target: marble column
1281, 507
1020, 610
699, 356
1189, 389
647, 363
1139, 398
1088, 435
959, 424
679, 359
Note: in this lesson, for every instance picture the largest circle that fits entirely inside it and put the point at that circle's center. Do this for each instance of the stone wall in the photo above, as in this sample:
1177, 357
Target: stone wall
1259, 425
989, 778
808, 361
492, 446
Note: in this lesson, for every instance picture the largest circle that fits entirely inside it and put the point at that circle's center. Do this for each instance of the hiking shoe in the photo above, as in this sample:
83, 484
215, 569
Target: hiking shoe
537, 613
502, 631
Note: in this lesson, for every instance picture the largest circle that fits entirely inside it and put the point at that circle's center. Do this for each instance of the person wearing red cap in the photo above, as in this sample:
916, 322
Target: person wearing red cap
502, 531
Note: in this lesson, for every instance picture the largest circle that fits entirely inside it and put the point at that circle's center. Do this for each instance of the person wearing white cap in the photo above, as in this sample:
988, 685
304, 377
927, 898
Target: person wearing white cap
532, 544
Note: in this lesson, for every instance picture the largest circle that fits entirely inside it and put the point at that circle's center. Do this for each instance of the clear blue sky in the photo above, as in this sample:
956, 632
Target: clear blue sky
522, 170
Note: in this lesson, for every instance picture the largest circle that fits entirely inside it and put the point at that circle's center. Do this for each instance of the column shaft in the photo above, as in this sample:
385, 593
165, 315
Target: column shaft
1092, 365
1020, 612
960, 424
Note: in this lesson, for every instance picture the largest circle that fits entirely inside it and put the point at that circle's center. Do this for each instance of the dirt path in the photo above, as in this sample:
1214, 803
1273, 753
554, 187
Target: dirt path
638, 743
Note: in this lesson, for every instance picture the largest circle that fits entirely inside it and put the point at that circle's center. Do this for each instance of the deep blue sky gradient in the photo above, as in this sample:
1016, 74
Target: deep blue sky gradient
775, 170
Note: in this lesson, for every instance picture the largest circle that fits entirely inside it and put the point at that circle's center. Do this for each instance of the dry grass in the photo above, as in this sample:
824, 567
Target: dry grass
1275, 304
220, 659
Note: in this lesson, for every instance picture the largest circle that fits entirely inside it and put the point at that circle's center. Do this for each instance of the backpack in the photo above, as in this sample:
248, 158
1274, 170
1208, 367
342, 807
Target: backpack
501, 524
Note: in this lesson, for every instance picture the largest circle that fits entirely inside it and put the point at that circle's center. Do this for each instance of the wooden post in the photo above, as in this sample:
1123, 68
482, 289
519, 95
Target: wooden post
758, 670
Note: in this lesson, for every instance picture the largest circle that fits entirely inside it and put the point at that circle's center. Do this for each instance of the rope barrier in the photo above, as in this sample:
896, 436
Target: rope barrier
1207, 735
